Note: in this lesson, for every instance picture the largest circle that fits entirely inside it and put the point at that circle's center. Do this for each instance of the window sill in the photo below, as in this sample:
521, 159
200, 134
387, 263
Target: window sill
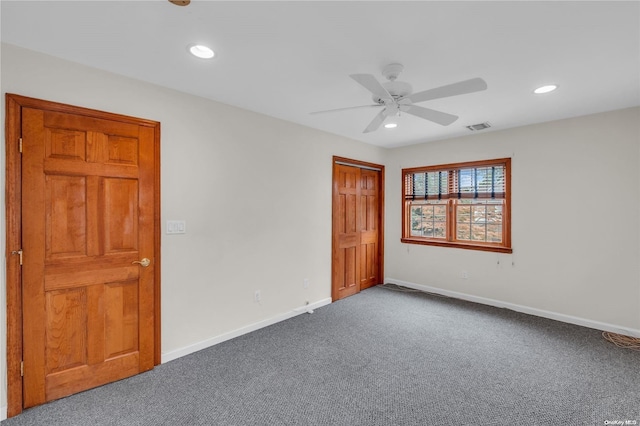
466, 246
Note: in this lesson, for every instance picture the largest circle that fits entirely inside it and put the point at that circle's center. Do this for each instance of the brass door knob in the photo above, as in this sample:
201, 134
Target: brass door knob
144, 262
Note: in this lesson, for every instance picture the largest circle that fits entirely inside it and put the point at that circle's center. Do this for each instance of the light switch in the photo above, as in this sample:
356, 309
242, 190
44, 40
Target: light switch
176, 227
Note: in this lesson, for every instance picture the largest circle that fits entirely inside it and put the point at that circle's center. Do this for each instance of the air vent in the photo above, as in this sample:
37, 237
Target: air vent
480, 126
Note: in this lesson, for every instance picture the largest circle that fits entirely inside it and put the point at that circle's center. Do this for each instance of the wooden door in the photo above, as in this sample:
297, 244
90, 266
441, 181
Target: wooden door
357, 231
89, 216
369, 225
346, 231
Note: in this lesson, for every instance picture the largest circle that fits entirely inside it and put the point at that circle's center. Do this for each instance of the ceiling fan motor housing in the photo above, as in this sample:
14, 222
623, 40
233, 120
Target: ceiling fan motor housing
397, 89
392, 71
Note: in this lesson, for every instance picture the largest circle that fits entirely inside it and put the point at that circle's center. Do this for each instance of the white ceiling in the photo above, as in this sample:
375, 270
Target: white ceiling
287, 59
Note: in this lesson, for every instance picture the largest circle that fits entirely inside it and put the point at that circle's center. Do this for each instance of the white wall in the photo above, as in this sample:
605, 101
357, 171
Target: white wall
255, 193
576, 246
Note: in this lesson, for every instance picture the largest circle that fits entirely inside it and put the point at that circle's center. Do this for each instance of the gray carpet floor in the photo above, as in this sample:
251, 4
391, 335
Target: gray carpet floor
381, 357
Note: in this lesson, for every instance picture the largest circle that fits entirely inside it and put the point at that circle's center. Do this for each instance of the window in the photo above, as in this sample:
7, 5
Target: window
464, 205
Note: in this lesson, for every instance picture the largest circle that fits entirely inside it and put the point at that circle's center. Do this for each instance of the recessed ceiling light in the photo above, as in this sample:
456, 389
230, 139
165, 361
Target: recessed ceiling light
545, 89
201, 51
390, 126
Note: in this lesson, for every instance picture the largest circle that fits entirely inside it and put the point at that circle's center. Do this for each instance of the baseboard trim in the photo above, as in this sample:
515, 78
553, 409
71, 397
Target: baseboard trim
178, 353
613, 328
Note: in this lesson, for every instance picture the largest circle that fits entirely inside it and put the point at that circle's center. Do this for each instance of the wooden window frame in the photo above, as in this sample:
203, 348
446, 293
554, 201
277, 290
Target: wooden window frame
450, 237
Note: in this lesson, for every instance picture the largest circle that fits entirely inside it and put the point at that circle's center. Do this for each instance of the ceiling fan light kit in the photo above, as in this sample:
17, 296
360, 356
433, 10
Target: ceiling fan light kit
545, 89
397, 97
200, 51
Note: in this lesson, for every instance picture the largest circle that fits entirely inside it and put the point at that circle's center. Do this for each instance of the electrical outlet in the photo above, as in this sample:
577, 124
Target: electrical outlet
464, 275
306, 283
257, 296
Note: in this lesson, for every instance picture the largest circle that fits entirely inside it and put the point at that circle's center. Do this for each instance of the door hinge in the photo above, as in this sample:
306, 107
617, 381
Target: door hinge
21, 368
20, 144
19, 253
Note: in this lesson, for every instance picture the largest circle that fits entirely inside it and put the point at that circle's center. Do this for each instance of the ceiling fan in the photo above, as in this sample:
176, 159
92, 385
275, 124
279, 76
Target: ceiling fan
396, 97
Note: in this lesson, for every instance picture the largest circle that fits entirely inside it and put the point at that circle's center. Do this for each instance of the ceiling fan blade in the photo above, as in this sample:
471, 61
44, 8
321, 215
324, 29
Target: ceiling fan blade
459, 88
370, 83
377, 121
432, 115
347, 108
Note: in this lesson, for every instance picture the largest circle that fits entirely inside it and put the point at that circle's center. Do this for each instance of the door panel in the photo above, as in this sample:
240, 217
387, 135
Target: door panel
357, 213
67, 329
65, 215
119, 201
88, 212
121, 318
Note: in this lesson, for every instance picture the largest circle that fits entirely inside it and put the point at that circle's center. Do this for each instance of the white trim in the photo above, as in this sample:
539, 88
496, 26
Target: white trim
175, 354
3, 413
519, 308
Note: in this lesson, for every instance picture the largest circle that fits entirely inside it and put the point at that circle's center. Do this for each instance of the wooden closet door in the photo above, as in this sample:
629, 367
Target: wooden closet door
369, 226
87, 216
357, 231
346, 231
